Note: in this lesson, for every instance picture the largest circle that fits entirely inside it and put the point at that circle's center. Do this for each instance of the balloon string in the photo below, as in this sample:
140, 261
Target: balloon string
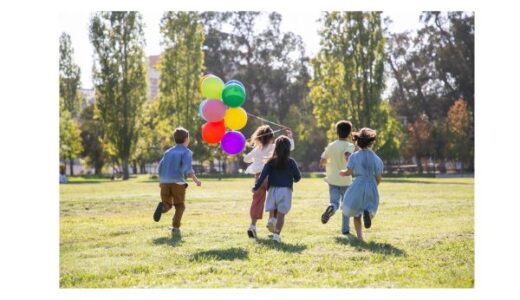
262, 119
249, 139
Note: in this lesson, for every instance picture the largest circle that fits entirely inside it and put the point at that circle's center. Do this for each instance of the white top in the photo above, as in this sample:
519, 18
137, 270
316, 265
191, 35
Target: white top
259, 156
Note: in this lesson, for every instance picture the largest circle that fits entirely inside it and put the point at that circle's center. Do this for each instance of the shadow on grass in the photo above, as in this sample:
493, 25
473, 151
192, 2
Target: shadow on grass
392, 180
284, 247
220, 254
172, 241
381, 248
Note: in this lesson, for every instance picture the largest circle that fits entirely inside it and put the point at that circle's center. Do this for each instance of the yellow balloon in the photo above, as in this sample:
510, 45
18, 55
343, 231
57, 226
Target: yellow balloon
235, 118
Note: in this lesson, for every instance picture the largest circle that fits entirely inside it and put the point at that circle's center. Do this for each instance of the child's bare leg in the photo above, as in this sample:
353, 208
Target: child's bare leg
357, 225
272, 214
253, 221
279, 222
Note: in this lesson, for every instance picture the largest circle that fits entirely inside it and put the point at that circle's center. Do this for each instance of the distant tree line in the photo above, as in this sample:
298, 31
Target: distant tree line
428, 113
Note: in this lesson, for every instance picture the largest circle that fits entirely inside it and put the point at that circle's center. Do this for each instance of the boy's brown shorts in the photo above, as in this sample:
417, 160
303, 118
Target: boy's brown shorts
173, 193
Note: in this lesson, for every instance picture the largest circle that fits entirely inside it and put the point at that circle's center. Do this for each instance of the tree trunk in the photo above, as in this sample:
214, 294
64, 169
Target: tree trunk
419, 164
126, 173
97, 169
134, 167
71, 165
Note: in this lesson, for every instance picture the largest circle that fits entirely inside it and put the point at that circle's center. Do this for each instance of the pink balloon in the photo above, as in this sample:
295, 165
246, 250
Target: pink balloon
214, 110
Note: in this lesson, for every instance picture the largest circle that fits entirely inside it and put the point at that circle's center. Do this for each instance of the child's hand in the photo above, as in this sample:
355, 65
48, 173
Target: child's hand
198, 182
343, 173
289, 133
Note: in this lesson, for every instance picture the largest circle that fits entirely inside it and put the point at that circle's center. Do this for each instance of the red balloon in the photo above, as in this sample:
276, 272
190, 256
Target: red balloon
213, 132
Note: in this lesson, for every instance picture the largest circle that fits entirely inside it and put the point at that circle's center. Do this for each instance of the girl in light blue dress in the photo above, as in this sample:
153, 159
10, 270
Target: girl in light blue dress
362, 197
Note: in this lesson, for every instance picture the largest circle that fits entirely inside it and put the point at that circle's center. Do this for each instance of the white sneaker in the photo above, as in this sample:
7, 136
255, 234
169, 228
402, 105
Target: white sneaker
271, 224
251, 232
276, 238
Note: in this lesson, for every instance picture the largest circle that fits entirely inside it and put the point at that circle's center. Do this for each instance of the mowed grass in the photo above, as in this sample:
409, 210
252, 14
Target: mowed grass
422, 237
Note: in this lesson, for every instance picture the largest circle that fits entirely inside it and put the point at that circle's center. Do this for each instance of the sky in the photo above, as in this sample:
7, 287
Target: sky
303, 23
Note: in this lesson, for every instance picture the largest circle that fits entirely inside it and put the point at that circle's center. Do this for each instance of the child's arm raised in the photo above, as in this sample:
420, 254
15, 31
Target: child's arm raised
291, 140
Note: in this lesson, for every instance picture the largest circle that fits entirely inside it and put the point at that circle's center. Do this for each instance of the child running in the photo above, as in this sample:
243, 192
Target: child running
281, 171
175, 163
335, 158
362, 197
263, 146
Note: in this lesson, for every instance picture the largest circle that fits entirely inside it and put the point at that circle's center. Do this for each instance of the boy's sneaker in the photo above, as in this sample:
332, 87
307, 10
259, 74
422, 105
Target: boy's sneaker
251, 232
158, 212
347, 235
176, 232
271, 224
327, 214
367, 220
276, 238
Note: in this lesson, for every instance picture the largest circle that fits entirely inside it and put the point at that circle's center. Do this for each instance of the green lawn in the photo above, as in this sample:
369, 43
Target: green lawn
422, 237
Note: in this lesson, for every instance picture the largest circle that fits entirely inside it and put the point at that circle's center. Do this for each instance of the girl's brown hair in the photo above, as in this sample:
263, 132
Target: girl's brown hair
365, 137
263, 136
282, 150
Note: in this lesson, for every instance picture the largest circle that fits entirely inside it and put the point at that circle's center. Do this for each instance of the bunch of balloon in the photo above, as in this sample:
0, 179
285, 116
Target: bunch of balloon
221, 109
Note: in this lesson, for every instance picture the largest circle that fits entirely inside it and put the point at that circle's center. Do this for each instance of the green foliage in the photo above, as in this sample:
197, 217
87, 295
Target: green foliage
308, 137
153, 140
390, 133
119, 78
348, 71
70, 76
270, 63
181, 66
92, 134
423, 236
70, 135
431, 68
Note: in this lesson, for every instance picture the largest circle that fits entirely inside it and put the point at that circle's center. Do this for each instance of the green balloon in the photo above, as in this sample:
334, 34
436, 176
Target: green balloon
212, 87
233, 95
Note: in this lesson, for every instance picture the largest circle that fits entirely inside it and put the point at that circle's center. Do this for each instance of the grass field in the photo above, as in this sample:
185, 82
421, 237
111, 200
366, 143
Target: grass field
422, 237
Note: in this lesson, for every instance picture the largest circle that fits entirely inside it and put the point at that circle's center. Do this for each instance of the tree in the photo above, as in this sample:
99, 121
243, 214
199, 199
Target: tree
150, 146
430, 68
460, 130
70, 139
419, 143
389, 136
348, 71
70, 76
92, 133
271, 63
119, 78
451, 35
181, 66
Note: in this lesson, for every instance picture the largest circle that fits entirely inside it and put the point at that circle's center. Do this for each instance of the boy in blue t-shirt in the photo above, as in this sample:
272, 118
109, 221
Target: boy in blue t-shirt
175, 163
